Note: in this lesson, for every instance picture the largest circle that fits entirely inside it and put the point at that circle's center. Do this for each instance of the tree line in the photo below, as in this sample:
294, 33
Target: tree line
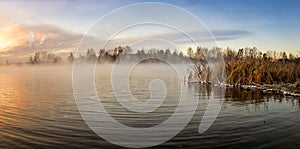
127, 55
44, 57
245, 66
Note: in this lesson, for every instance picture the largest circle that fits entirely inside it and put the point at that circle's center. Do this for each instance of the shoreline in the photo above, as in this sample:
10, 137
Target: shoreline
283, 89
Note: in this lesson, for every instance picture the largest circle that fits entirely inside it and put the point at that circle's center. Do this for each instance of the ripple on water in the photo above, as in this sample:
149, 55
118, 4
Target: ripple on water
37, 109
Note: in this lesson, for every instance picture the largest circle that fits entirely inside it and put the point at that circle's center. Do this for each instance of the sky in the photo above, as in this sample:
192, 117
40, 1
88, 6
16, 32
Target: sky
59, 25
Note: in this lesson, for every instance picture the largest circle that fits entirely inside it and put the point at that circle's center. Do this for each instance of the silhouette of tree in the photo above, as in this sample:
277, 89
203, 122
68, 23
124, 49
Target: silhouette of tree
37, 57
265, 56
71, 58
240, 53
291, 56
91, 55
31, 60
284, 56
190, 52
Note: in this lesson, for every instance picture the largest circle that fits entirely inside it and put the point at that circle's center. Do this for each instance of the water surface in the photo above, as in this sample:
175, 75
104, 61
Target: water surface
37, 109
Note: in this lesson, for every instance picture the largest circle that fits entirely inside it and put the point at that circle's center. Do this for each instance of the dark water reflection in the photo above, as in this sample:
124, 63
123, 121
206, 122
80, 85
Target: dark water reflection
259, 99
37, 110
249, 119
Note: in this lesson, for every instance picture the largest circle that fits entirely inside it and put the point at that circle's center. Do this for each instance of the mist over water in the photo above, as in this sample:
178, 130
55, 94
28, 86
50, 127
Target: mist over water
37, 109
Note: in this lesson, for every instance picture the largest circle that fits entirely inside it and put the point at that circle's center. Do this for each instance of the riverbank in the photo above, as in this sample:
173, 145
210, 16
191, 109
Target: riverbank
283, 89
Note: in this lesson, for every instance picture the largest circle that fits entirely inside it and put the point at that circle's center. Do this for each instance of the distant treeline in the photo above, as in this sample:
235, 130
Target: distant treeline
44, 57
127, 55
246, 66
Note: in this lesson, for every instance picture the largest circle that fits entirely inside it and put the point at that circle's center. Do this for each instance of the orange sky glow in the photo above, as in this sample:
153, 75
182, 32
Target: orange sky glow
12, 34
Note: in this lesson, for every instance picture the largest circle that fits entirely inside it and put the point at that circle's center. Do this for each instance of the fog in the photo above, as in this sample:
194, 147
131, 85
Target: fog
64, 72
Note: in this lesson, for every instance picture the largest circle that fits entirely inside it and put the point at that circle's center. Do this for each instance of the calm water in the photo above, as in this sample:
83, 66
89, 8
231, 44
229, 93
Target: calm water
37, 109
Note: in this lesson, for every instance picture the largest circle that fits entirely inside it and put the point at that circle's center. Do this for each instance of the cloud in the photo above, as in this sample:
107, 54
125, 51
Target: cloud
11, 34
27, 39
176, 38
230, 34
21, 41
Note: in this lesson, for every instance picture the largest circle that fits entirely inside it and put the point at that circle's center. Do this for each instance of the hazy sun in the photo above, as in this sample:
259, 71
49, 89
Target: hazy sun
4, 43
11, 34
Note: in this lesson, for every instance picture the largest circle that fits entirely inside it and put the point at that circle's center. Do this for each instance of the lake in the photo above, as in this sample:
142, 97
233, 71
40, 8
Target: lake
38, 109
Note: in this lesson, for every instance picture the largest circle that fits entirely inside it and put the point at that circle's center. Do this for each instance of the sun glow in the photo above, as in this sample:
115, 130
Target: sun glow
11, 34
4, 43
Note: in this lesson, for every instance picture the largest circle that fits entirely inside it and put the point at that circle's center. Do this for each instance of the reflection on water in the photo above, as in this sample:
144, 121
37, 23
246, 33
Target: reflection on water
37, 109
259, 100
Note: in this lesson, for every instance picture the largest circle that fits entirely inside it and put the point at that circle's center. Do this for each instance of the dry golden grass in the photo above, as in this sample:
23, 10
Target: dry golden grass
250, 69
253, 72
